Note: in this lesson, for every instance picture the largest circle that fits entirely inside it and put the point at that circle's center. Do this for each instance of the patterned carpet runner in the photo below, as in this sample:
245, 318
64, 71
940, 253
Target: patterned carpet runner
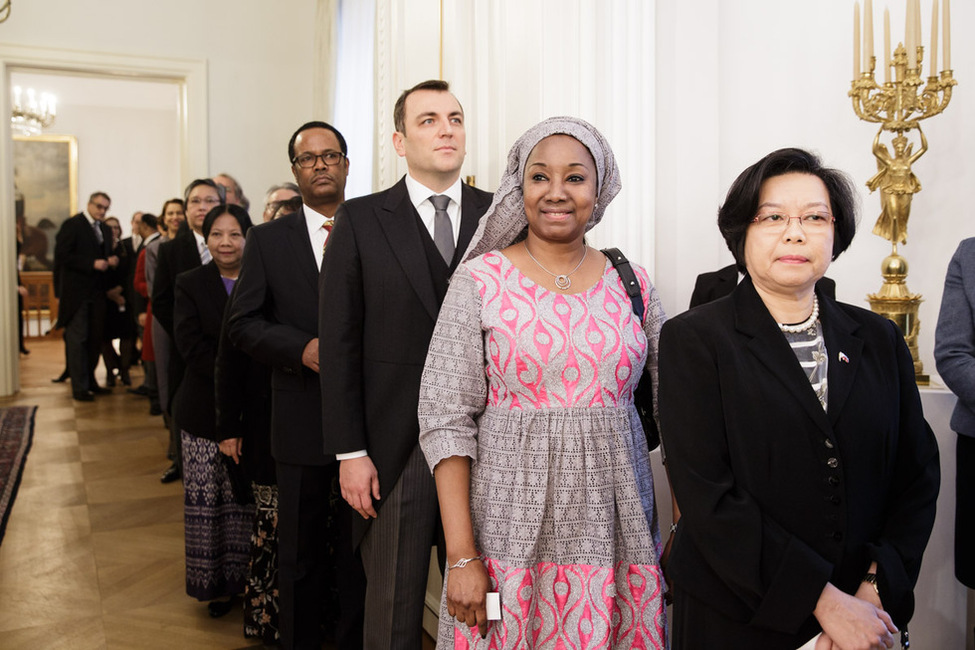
16, 435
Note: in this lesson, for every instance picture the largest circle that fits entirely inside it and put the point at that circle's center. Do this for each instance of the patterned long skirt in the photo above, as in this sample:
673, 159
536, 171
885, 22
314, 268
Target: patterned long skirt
217, 528
261, 593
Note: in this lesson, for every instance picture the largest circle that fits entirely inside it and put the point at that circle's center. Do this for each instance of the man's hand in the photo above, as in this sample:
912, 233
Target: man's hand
309, 356
112, 261
101, 265
359, 482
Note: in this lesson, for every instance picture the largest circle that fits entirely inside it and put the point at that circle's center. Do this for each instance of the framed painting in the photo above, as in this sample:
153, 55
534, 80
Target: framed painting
46, 190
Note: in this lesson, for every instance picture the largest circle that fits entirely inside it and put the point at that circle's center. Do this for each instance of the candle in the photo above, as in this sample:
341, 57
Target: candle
946, 35
856, 41
867, 34
909, 36
886, 45
934, 38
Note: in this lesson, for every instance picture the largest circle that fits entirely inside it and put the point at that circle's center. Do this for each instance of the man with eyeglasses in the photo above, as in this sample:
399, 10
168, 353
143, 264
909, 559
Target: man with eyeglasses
384, 278
82, 255
183, 252
274, 318
281, 199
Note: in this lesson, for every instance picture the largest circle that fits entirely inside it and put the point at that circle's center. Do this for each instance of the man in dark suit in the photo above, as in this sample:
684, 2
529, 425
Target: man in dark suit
82, 255
384, 276
184, 252
716, 284
274, 318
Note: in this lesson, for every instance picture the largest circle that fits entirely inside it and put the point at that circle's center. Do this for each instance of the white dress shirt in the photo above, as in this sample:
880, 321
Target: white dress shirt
315, 222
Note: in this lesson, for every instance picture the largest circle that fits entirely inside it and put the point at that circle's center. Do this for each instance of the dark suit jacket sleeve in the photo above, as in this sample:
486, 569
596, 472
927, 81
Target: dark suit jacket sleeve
251, 327
198, 349
230, 374
340, 323
777, 575
954, 344
912, 501
162, 287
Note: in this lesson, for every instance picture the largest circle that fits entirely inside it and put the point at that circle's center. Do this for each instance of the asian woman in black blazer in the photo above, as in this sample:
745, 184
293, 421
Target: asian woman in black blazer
805, 472
217, 527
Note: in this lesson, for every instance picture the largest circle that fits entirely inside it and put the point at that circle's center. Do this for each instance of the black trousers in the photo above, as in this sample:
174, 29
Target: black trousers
317, 570
83, 343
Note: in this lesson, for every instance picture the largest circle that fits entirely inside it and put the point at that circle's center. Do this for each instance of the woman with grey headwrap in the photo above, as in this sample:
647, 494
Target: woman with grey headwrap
527, 418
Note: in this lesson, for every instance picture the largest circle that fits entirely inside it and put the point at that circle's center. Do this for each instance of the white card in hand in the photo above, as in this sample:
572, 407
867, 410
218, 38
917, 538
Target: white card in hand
493, 606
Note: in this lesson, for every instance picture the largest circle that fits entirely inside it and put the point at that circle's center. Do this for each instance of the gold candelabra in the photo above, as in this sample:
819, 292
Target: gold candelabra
898, 106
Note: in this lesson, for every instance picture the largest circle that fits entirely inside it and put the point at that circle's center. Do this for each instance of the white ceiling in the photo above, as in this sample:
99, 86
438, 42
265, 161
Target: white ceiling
101, 91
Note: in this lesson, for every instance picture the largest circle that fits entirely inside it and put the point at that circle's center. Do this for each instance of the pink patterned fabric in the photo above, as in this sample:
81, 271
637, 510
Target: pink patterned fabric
577, 606
536, 387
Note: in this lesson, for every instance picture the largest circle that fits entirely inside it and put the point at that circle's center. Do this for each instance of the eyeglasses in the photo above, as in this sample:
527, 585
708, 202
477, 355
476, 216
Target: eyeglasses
330, 158
779, 222
100, 206
208, 201
288, 204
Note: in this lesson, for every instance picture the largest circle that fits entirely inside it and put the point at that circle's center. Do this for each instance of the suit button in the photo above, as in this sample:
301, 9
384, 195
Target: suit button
833, 481
833, 463
828, 443
837, 535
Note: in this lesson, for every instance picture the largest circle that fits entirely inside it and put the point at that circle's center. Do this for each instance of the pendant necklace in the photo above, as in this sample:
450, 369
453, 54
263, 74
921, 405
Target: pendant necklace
562, 280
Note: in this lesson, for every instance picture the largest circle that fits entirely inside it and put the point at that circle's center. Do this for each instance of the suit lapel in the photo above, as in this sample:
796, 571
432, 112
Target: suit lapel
845, 351
770, 347
301, 247
398, 219
214, 287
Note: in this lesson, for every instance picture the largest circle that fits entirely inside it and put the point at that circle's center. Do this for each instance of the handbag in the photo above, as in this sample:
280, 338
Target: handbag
643, 395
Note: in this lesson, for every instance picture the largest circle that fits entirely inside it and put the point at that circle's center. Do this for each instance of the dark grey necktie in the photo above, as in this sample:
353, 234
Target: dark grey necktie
98, 231
443, 232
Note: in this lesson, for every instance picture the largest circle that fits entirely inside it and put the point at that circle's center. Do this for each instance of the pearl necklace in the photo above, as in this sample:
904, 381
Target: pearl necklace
562, 280
808, 323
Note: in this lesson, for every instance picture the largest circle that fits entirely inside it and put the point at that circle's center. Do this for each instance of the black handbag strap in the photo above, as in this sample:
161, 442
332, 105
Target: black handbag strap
630, 283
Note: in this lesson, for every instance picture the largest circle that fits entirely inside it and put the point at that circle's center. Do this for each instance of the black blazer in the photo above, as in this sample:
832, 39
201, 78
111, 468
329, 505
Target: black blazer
273, 317
175, 256
778, 496
715, 284
380, 296
75, 250
199, 306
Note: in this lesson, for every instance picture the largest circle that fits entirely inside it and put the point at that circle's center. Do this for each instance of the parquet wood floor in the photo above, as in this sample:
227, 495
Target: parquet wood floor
93, 555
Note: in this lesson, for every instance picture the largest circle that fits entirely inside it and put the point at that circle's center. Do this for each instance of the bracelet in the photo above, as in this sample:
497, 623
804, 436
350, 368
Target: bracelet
673, 528
871, 578
464, 561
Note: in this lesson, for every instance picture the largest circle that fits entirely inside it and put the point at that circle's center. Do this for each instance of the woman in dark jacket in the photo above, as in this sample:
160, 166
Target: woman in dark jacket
799, 455
217, 527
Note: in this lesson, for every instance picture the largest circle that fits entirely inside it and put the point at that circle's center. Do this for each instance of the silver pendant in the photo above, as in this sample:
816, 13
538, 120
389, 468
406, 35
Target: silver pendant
563, 282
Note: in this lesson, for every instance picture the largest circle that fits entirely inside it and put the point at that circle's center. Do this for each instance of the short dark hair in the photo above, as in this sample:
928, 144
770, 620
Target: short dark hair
399, 109
316, 124
149, 220
741, 204
234, 210
209, 183
101, 194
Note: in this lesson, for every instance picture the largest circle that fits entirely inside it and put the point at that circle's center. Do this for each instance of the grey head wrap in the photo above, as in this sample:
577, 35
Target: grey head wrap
506, 219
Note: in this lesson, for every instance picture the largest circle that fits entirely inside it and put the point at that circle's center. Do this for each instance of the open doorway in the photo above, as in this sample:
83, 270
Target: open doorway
116, 135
